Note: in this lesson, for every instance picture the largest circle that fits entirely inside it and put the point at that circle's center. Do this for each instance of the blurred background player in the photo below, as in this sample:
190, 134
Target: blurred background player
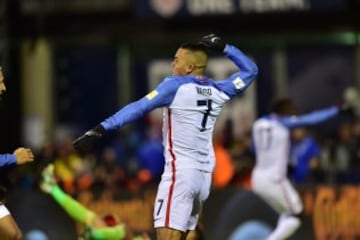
96, 227
8, 227
192, 102
305, 156
271, 138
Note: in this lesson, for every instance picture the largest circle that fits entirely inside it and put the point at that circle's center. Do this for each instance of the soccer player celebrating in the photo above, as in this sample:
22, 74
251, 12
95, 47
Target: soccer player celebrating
191, 103
271, 138
8, 227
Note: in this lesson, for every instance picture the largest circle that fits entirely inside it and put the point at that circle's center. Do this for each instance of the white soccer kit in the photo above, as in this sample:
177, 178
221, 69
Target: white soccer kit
271, 138
191, 105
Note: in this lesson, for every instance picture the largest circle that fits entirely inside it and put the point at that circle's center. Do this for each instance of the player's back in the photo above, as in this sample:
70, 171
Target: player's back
271, 142
189, 122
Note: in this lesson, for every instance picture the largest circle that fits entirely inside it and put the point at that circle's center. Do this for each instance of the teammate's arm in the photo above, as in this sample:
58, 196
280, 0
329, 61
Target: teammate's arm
7, 159
310, 118
20, 156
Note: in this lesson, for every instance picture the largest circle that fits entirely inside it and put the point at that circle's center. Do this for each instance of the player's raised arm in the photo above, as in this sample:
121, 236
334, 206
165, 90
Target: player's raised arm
311, 118
248, 70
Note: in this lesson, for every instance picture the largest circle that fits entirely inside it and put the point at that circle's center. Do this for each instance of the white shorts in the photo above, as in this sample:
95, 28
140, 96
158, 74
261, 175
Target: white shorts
3, 211
180, 197
278, 193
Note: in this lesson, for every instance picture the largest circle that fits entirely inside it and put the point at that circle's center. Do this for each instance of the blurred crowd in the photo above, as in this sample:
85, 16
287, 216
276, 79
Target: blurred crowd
132, 159
124, 160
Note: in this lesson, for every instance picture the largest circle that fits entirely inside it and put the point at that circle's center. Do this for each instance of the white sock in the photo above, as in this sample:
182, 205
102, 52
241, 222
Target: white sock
287, 225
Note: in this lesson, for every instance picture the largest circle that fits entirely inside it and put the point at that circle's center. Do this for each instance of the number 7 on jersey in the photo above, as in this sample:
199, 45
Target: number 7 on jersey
208, 103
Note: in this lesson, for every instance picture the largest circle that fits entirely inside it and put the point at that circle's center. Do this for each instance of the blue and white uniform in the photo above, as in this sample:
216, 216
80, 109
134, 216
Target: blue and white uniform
7, 159
191, 105
271, 139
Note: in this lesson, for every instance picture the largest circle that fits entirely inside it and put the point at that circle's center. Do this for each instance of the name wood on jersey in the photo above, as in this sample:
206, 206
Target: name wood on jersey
204, 91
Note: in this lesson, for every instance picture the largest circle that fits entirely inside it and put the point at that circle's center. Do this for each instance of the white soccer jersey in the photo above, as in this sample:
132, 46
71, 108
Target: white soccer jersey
271, 141
191, 105
271, 138
188, 126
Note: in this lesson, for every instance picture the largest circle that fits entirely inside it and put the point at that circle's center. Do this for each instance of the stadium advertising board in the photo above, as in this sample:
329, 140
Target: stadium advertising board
186, 8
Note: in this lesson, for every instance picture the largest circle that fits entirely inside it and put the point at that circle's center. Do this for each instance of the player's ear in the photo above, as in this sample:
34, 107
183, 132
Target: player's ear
190, 68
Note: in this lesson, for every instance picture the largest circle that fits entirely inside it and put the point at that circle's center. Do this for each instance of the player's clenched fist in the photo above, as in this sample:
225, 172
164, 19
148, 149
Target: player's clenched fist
213, 42
23, 155
84, 142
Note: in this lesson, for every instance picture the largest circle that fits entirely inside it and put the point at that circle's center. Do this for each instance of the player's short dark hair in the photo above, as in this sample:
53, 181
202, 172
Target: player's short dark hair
283, 106
193, 47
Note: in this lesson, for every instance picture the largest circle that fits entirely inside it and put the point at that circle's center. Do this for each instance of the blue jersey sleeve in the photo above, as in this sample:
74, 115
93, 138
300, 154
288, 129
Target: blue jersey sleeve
7, 159
310, 118
239, 81
160, 97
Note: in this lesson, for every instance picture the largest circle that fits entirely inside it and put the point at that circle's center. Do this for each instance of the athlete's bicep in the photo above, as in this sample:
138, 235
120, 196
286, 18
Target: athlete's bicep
240, 80
235, 84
